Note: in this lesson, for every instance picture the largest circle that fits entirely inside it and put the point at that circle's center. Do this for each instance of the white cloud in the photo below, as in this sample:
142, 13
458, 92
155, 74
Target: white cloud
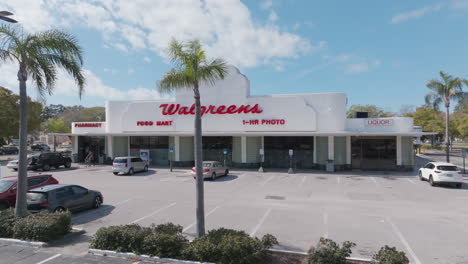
150, 25
414, 14
111, 71
266, 4
66, 86
363, 66
459, 4
147, 59
273, 16
349, 62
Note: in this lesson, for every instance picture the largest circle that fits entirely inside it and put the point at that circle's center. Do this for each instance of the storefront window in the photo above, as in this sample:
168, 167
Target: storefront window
277, 152
373, 152
158, 147
213, 149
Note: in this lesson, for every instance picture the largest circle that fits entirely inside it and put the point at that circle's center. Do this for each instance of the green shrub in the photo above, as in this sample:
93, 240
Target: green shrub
123, 238
165, 240
7, 221
43, 226
390, 255
226, 246
329, 252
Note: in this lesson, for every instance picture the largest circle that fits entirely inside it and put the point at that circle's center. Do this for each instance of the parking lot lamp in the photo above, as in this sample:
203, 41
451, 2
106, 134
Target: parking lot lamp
4, 16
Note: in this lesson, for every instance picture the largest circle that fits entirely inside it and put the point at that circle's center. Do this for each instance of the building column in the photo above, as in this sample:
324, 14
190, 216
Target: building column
128, 145
75, 144
314, 154
177, 148
398, 150
331, 147
110, 146
348, 150
244, 149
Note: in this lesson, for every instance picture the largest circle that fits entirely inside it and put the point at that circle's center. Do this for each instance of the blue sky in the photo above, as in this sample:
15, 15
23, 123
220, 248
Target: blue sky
377, 52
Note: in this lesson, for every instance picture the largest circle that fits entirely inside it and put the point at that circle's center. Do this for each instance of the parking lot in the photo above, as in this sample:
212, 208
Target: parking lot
370, 209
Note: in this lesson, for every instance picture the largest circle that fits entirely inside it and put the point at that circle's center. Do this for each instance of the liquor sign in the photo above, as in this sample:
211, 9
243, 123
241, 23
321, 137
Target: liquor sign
379, 122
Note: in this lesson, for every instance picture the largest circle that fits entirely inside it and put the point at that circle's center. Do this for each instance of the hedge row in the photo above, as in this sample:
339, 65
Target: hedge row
43, 226
329, 252
223, 246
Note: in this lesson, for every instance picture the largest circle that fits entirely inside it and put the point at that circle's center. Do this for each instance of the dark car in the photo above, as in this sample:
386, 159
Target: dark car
62, 197
9, 150
47, 160
8, 187
40, 147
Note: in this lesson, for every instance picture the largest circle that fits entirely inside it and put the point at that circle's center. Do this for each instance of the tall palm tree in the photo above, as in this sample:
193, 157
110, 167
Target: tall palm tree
192, 69
444, 91
38, 57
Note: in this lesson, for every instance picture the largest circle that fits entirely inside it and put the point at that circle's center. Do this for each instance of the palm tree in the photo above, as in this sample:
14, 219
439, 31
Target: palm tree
192, 69
38, 57
443, 91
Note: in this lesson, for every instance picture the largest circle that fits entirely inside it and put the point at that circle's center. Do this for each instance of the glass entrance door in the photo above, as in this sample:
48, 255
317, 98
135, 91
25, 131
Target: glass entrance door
373, 153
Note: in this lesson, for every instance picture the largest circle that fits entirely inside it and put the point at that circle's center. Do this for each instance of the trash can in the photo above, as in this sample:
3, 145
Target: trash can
330, 166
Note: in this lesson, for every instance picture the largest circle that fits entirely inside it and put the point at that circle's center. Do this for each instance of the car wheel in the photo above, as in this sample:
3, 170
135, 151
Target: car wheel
97, 202
431, 181
146, 168
226, 172
213, 176
130, 172
68, 164
421, 177
60, 209
459, 185
46, 167
4, 205
116, 173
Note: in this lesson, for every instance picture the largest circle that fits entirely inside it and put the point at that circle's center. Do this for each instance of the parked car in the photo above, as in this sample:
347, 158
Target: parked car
9, 150
440, 173
212, 169
47, 160
62, 197
8, 187
128, 165
13, 164
40, 147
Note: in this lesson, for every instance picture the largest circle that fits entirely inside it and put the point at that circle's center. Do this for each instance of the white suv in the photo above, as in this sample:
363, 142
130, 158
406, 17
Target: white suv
441, 172
129, 165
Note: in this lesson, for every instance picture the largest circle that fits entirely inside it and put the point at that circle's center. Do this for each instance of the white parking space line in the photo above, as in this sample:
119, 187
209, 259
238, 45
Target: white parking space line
266, 181
49, 259
260, 223
325, 223
403, 241
208, 214
338, 179
303, 181
153, 213
410, 181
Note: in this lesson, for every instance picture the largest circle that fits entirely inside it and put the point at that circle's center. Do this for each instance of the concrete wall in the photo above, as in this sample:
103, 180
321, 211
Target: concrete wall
254, 144
407, 153
236, 150
120, 146
322, 150
340, 151
186, 149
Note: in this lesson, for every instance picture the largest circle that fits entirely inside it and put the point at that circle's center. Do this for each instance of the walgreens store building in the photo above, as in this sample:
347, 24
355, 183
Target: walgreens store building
239, 127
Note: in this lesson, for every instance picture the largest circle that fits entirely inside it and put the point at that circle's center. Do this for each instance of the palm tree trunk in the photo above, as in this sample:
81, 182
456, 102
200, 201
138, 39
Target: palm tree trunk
21, 206
199, 165
447, 136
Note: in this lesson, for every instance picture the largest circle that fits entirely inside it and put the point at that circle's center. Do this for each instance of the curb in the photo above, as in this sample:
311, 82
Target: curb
110, 253
303, 253
36, 244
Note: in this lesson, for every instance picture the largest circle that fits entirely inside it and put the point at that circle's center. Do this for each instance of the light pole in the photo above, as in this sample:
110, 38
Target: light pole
4, 14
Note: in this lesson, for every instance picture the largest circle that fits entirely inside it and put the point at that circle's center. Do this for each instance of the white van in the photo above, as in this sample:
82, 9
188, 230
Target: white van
128, 165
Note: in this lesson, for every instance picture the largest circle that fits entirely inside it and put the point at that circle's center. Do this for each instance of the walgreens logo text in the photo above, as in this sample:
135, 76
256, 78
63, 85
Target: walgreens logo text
176, 109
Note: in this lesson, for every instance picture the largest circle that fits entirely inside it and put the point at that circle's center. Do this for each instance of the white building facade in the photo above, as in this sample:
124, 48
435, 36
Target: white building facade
246, 130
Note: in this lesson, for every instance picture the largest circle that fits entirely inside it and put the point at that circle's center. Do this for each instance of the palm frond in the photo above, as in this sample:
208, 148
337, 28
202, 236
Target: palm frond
436, 86
174, 80
212, 72
10, 40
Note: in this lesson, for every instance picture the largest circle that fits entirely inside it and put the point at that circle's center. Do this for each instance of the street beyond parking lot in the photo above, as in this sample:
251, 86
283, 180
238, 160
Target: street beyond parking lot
370, 209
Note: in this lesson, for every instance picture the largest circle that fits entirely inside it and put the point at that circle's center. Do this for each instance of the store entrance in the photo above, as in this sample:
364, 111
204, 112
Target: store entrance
92, 144
373, 153
277, 152
213, 149
158, 149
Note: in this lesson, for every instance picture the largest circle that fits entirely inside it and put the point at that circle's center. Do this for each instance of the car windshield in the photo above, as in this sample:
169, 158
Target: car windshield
36, 196
5, 185
447, 168
120, 161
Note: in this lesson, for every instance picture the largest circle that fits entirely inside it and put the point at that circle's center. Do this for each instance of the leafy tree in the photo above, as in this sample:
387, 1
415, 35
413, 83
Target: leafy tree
38, 56
462, 103
9, 113
373, 110
52, 111
56, 125
444, 91
192, 68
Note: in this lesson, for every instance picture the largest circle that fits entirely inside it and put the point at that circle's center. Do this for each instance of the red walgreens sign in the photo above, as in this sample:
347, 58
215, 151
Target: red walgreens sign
88, 124
176, 109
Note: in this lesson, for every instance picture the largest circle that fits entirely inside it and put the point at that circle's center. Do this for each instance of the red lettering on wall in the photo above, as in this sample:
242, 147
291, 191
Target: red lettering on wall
88, 124
172, 109
256, 122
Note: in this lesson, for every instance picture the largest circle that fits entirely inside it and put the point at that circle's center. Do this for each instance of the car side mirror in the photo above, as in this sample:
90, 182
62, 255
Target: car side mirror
12, 190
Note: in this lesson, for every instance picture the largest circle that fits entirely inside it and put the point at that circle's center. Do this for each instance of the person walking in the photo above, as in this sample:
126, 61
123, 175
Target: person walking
89, 159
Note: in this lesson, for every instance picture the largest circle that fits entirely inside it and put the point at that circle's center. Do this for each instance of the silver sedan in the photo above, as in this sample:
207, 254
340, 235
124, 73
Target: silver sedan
212, 169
